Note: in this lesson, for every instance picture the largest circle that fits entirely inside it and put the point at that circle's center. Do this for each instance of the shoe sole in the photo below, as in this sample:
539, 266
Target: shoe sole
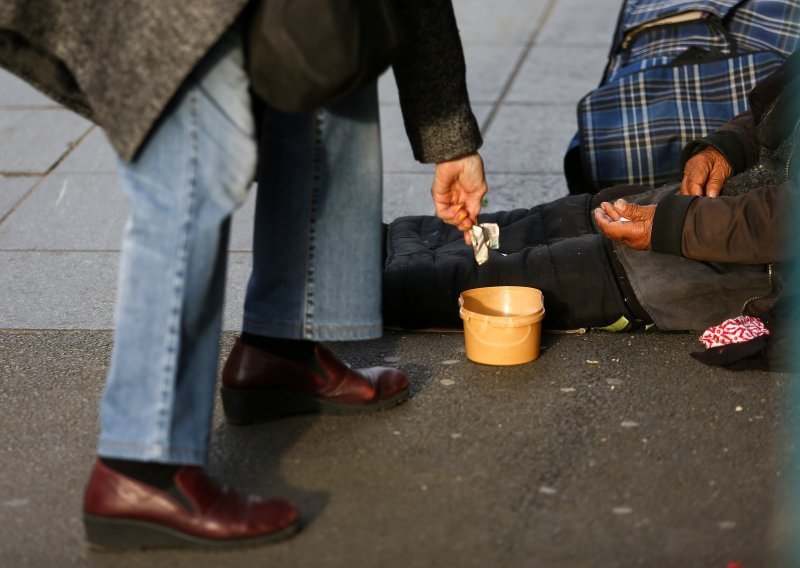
112, 534
249, 406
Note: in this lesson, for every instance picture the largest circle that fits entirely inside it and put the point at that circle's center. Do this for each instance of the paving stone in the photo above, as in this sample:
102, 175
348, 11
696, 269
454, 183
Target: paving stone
12, 189
57, 290
498, 21
242, 223
15, 92
406, 194
94, 154
239, 265
79, 212
77, 290
32, 141
558, 74
397, 155
520, 191
583, 22
409, 194
488, 71
529, 139
387, 89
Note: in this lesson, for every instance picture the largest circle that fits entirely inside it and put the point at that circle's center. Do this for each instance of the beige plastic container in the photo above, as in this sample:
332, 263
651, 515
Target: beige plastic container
502, 324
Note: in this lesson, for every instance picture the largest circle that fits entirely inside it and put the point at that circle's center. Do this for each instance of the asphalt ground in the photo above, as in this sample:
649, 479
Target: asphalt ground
609, 450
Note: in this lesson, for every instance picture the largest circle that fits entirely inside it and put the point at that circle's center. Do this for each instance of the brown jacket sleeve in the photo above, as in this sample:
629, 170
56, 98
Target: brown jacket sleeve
737, 140
749, 229
431, 78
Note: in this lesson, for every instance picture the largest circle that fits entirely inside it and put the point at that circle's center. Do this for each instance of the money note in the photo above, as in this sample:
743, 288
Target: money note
484, 237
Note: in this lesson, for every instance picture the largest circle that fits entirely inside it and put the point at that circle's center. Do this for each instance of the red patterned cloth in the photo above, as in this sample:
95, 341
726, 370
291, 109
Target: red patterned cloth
735, 330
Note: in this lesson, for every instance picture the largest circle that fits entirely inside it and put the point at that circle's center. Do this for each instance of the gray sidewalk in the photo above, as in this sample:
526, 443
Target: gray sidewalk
62, 211
611, 450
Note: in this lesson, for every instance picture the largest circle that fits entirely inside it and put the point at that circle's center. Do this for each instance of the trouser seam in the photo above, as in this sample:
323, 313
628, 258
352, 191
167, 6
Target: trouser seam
172, 353
316, 178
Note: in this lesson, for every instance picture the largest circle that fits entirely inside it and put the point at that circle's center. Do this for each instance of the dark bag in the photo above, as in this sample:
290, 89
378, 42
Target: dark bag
304, 54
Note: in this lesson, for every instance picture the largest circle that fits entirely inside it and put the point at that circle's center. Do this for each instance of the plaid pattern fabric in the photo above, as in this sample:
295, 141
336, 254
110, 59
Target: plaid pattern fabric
660, 45
767, 24
632, 128
636, 13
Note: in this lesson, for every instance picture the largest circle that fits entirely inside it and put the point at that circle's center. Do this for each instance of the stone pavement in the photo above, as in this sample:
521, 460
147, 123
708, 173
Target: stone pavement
645, 458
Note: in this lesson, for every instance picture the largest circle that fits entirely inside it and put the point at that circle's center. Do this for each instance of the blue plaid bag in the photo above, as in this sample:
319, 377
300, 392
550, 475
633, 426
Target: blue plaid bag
677, 70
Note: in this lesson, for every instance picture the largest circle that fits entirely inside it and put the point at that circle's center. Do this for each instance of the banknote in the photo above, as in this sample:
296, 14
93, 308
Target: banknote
484, 237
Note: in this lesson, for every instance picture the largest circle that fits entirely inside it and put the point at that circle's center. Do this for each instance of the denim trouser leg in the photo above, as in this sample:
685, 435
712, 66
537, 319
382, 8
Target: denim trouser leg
317, 242
191, 175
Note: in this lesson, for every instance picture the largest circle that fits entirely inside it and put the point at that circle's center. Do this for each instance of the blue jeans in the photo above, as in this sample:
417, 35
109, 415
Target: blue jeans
317, 240
193, 172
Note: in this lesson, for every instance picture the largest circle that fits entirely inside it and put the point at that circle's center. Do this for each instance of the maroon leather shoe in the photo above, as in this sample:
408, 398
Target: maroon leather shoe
120, 512
258, 385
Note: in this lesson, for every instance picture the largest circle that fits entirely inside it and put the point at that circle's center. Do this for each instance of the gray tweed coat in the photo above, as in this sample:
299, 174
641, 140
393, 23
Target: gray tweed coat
120, 62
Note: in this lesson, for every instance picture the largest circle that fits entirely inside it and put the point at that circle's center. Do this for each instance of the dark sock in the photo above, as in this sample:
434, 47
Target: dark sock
298, 350
160, 475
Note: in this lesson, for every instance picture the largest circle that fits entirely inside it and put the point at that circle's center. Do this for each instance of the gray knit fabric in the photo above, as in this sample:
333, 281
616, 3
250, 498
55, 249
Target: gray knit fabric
117, 62
772, 168
431, 78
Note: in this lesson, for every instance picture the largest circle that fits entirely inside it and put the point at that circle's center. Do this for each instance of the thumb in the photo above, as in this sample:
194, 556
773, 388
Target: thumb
625, 209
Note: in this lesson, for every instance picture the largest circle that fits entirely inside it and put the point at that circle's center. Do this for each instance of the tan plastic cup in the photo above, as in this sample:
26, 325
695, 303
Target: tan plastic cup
502, 324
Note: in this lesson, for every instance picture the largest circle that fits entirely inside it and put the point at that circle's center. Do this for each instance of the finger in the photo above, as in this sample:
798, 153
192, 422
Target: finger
614, 230
460, 220
603, 221
626, 233
464, 224
629, 211
451, 208
714, 186
453, 214
610, 211
694, 188
472, 209
624, 208
601, 215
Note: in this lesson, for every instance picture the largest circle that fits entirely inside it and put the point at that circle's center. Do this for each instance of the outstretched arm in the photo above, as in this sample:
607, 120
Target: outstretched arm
754, 228
431, 79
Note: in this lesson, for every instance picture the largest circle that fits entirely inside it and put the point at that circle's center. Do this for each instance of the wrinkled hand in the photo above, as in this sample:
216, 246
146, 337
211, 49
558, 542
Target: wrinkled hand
636, 232
458, 189
704, 173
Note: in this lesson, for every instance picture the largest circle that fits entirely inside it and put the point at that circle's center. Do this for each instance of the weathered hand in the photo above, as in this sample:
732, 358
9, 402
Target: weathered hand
705, 172
627, 223
458, 189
